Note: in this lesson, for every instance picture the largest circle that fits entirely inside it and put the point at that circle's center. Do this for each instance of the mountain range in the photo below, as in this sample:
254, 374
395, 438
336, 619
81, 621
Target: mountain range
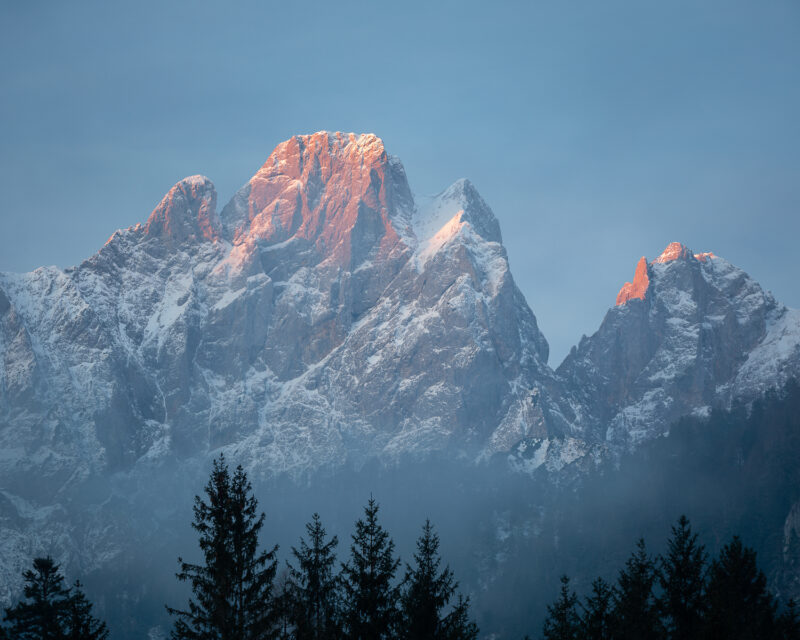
328, 318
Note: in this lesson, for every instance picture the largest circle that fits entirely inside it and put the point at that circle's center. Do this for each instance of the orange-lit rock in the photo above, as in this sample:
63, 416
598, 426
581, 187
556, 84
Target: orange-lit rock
638, 287
673, 251
334, 190
702, 257
188, 211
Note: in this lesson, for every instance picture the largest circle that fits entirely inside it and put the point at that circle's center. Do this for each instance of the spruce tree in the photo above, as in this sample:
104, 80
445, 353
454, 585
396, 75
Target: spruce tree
457, 625
739, 605
314, 586
44, 614
80, 624
682, 580
233, 597
426, 594
370, 596
595, 622
635, 613
562, 622
283, 606
789, 622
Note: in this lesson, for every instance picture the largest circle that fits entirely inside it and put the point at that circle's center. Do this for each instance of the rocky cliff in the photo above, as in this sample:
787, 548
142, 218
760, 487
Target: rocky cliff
324, 318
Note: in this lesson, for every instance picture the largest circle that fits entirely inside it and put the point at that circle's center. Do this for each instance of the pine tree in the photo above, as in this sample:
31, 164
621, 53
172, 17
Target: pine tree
284, 605
80, 624
739, 605
233, 597
562, 621
789, 622
427, 593
457, 625
595, 623
371, 598
682, 580
635, 614
43, 616
314, 586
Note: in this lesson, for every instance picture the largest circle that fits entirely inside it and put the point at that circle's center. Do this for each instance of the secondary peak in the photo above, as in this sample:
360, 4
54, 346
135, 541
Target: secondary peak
674, 251
637, 288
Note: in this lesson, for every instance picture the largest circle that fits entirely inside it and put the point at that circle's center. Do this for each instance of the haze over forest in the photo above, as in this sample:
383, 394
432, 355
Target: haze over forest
525, 274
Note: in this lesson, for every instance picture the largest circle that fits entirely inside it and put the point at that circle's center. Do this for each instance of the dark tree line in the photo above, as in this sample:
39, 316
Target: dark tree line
678, 596
235, 594
51, 610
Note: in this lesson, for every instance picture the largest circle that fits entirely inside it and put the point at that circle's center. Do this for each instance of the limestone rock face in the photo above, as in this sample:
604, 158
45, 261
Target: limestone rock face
324, 318
690, 333
637, 288
187, 212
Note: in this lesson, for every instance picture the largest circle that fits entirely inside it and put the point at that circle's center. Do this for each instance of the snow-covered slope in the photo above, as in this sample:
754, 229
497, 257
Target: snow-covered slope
690, 332
321, 319
325, 317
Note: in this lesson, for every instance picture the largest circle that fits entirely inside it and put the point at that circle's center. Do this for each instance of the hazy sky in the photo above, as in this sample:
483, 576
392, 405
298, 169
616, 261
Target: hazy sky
597, 131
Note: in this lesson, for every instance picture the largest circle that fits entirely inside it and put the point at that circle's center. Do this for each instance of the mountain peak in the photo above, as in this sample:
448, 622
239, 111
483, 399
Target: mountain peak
460, 198
677, 251
641, 280
346, 147
324, 188
638, 287
674, 251
188, 211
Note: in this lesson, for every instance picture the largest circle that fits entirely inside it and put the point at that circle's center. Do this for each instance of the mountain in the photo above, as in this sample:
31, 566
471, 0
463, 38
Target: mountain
323, 318
323, 321
690, 333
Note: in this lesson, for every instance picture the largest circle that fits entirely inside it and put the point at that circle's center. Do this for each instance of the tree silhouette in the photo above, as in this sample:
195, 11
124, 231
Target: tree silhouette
426, 594
562, 622
313, 591
233, 597
635, 614
370, 595
52, 611
595, 623
739, 605
79, 622
682, 580
43, 616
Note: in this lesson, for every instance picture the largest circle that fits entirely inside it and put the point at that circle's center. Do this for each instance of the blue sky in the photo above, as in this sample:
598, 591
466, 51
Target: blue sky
597, 131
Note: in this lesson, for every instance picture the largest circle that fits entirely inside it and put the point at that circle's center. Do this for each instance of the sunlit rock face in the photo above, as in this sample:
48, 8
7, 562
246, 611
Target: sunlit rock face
638, 287
691, 332
322, 318
325, 317
187, 212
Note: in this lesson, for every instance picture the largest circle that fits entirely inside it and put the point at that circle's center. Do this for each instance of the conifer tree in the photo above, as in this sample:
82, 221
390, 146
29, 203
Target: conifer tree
44, 615
80, 624
562, 622
314, 586
739, 605
595, 622
635, 613
789, 622
370, 595
458, 625
283, 606
233, 597
682, 580
426, 594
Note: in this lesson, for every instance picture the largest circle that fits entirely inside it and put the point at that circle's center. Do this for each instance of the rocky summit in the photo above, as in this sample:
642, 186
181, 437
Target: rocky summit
690, 333
324, 318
